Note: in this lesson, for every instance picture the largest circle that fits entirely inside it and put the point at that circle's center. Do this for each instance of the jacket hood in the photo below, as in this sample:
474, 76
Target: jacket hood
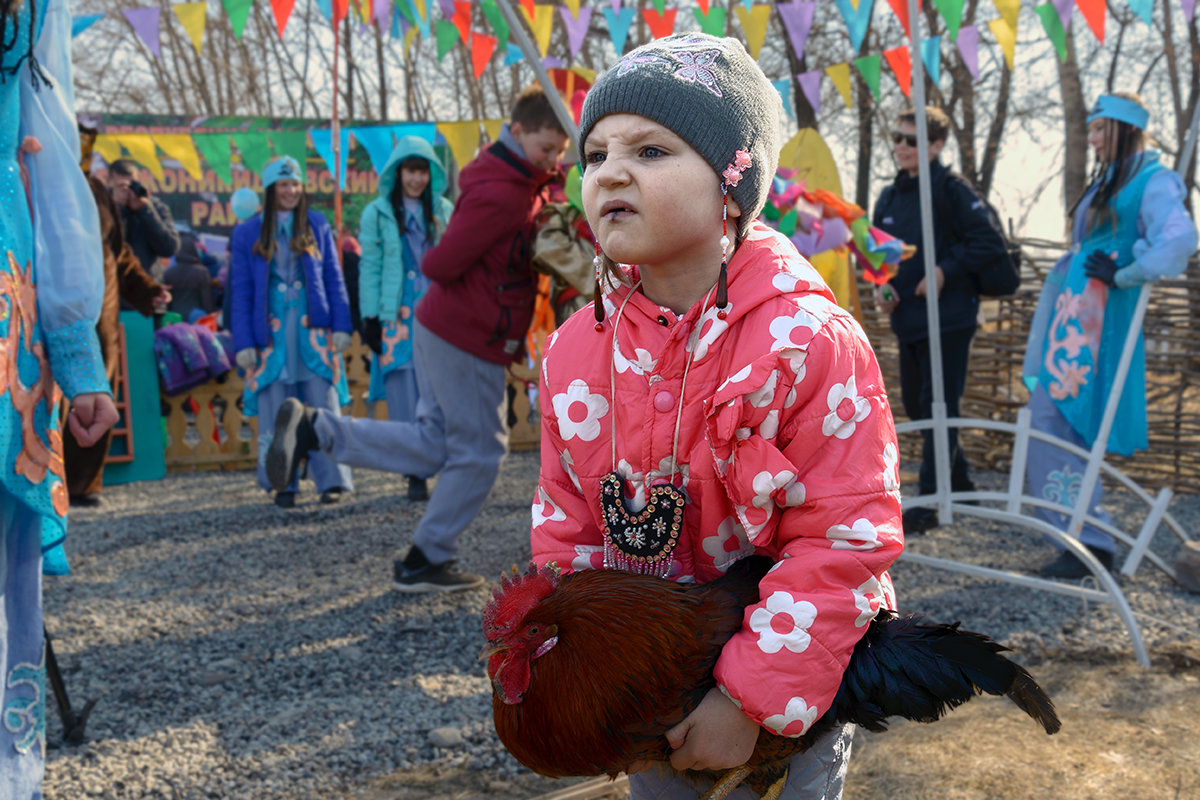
407, 147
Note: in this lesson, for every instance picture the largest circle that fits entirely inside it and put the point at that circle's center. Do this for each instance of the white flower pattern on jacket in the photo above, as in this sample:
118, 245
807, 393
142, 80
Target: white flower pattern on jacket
783, 623
595, 407
797, 710
846, 410
859, 536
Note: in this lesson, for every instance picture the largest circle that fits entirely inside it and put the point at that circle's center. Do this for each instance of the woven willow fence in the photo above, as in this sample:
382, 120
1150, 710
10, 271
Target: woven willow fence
995, 391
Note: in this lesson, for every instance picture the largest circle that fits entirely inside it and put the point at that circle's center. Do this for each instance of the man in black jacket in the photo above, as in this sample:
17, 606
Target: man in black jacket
964, 240
145, 220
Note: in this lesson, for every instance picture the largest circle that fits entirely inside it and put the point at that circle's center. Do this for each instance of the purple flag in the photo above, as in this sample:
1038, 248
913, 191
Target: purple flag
576, 28
797, 20
810, 84
382, 13
448, 9
968, 48
145, 24
1189, 9
1063, 7
616, 7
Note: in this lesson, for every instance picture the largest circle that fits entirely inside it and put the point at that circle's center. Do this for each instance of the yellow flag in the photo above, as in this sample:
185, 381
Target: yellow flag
180, 147
574, 6
108, 147
542, 25
1006, 37
141, 149
409, 37
840, 75
463, 139
192, 18
754, 25
492, 128
1008, 11
588, 75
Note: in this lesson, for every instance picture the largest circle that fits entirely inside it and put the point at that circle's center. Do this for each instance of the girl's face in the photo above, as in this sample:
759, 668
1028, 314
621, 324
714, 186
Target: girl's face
650, 198
413, 181
288, 193
1101, 138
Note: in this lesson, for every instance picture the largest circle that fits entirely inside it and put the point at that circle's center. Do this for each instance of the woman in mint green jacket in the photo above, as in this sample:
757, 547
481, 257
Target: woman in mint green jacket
396, 229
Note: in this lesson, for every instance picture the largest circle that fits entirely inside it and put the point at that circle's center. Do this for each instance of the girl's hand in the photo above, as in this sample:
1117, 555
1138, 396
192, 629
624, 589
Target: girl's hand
717, 735
886, 298
91, 416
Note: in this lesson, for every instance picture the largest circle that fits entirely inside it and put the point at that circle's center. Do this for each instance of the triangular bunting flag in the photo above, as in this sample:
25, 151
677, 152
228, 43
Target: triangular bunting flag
192, 18
541, 22
901, 64
145, 24
292, 143
618, 26
660, 24
577, 26
754, 26
1009, 10
283, 12
784, 87
1144, 9
810, 84
462, 138
951, 11
968, 49
237, 11
573, 6
426, 130
141, 149
1189, 9
491, 127
660, 6
712, 23
326, 9
482, 47
900, 9
513, 55
702, 3
322, 139
82, 22
1006, 37
254, 148
180, 147
931, 57
214, 149
377, 141
840, 75
1093, 12
1063, 7
869, 66
446, 35
528, 7
496, 19
1052, 23
857, 18
461, 20
108, 147
797, 21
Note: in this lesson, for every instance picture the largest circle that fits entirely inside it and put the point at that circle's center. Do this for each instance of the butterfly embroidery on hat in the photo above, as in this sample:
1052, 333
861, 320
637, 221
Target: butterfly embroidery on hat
697, 68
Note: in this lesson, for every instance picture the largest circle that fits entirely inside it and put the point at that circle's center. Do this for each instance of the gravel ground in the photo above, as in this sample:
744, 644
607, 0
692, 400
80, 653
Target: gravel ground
237, 650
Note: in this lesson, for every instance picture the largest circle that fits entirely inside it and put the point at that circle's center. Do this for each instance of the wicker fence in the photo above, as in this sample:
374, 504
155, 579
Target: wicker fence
995, 391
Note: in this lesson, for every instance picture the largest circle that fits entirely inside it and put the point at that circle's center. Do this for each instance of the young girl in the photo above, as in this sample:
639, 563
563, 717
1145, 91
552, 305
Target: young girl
1129, 227
719, 380
396, 229
291, 318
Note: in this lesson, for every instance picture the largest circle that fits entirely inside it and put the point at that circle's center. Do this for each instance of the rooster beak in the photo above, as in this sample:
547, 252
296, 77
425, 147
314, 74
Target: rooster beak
490, 650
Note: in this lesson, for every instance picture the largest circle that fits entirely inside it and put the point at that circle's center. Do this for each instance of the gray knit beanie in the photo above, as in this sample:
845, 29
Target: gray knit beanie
710, 93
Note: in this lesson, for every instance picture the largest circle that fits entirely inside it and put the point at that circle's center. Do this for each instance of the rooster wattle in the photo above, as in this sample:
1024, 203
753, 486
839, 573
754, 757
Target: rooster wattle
589, 670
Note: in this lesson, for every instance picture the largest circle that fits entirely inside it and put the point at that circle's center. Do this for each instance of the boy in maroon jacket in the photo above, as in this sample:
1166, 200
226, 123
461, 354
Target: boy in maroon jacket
469, 328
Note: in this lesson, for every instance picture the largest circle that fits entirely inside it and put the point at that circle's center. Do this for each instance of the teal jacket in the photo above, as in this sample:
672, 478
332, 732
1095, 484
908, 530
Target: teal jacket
382, 265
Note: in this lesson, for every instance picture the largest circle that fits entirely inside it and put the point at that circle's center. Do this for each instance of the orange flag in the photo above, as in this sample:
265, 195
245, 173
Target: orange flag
898, 59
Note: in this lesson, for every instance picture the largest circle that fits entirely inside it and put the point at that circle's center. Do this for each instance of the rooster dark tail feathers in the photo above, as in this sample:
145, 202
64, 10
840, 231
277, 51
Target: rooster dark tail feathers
904, 667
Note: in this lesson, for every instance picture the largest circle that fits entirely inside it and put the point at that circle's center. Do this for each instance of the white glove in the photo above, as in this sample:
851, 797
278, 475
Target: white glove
341, 340
247, 358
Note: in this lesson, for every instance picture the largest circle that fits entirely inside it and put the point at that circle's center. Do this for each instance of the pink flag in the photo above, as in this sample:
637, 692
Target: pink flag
145, 24
968, 48
797, 21
576, 27
810, 84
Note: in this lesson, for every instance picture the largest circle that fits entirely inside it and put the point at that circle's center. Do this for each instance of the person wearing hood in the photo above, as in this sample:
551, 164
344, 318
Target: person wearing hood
396, 230
190, 281
290, 319
469, 328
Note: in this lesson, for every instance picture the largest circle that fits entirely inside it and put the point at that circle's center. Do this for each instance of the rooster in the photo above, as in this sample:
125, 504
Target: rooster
580, 686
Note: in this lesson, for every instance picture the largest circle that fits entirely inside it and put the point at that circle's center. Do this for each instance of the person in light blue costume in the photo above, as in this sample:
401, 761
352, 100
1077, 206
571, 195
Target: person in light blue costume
290, 318
1129, 227
51, 289
396, 229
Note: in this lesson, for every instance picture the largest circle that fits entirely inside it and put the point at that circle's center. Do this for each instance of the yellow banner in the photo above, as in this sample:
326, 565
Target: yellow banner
1006, 37
754, 25
108, 147
141, 149
180, 147
192, 18
840, 75
462, 138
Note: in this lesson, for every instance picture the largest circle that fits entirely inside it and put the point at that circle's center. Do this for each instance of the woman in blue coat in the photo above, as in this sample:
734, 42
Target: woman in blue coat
291, 318
396, 229
1129, 227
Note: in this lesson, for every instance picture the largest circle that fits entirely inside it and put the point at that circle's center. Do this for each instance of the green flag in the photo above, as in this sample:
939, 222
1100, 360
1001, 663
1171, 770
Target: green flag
1052, 22
869, 67
237, 11
447, 35
292, 143
951, 11
214, 149
712, 23
499, 24
255, 150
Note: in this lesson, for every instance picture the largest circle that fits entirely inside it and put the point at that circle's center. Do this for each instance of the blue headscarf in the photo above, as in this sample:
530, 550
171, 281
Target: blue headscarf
1121, 109
281, 169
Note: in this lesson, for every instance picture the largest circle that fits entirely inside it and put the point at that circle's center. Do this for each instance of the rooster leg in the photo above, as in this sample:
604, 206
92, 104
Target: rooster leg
727, 783
776, 788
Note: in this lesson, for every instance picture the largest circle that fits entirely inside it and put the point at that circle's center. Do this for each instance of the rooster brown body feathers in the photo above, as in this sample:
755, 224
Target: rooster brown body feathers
589, 670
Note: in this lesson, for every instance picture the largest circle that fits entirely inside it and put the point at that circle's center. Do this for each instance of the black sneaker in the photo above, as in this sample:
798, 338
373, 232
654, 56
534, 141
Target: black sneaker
332, 495
285, 499
1069, 566
918, 520
418, 490
89, 500
433, 578
294, 437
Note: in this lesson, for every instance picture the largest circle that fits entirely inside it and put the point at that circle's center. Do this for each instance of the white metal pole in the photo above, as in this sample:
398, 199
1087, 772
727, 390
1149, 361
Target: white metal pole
517, 30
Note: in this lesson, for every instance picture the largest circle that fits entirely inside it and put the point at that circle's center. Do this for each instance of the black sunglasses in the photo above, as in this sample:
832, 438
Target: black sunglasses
909, 139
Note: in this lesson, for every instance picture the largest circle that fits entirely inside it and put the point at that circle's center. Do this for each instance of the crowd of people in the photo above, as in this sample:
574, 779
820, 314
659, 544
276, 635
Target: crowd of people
714, 402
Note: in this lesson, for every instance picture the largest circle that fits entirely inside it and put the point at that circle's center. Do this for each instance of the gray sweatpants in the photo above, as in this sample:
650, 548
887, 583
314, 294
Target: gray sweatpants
816, 774
461, 435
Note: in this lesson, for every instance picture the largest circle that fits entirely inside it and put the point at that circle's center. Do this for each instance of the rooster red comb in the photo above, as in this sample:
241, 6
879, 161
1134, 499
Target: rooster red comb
517, 594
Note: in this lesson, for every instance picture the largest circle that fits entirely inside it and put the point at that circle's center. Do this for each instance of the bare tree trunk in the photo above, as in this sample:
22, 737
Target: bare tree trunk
349, 114
991, 148
1074, 129
382, 67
